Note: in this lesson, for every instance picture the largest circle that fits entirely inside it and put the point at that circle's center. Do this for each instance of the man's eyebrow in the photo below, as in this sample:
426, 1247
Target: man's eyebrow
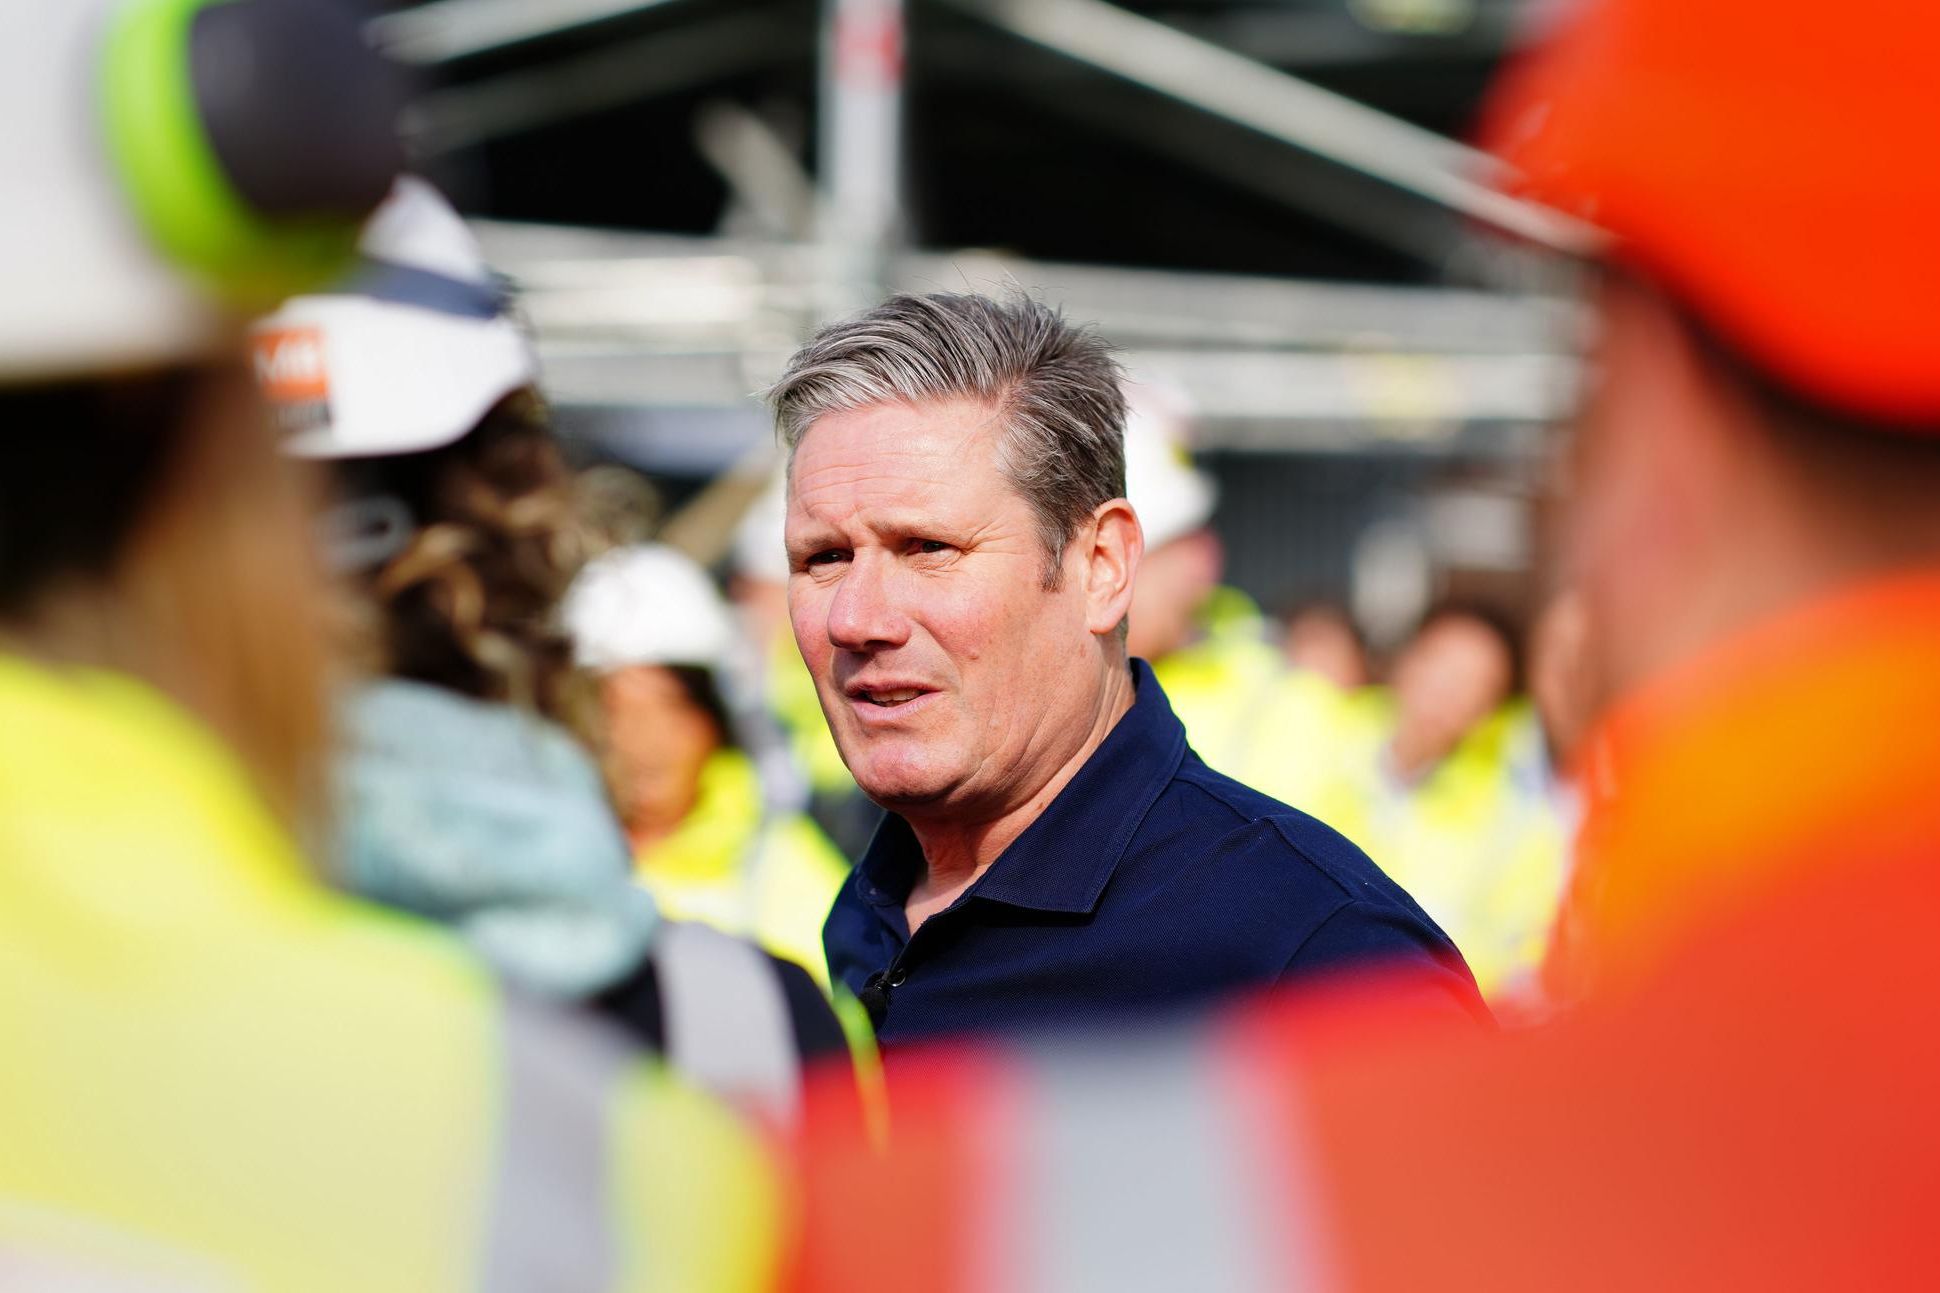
814, 535
811, 538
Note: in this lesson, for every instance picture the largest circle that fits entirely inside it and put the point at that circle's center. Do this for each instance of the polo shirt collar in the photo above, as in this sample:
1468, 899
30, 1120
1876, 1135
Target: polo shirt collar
1064, 859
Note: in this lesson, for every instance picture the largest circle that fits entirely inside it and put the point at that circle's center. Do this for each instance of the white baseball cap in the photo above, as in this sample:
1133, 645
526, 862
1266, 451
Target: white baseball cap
1171, 496
648, 604
406, 357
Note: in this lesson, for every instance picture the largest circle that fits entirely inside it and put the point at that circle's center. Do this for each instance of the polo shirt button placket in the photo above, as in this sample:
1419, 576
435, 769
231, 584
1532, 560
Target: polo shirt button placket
875, 992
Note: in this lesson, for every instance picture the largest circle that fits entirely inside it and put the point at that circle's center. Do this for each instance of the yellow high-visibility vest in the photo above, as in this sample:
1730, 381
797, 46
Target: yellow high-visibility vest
1247, 713
1478, 841
221, 1076
769, 877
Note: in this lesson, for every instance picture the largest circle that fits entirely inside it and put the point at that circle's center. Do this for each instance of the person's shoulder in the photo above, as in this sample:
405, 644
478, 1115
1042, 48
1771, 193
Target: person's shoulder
384, 957
1280, 829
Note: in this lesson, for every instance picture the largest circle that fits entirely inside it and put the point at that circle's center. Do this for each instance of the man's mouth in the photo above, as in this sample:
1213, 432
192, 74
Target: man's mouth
886, 697
890, 697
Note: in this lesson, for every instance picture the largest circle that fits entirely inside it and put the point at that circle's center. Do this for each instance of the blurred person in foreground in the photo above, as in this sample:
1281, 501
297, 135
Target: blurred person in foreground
706, 841
962, 564
1741, 1095
219, 1074
1244, 711
467, 791
1433, 777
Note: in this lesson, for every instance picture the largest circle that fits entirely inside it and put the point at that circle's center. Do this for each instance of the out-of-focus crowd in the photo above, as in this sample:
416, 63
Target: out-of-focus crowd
1441, 759
416, 872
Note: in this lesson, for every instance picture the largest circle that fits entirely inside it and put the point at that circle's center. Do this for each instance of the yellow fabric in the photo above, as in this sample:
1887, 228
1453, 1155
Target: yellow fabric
866, 1056
792, 698
1479, 844
772, 880
1246, 713
697, 1205
221, 1074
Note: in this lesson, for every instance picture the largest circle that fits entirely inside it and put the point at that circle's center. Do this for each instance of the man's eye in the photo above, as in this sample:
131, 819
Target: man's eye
826, 557
931, 545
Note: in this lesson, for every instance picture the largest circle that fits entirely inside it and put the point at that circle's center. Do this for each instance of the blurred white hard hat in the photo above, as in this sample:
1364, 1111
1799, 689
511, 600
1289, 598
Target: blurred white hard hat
408, 355
648, 604
759, 550
1171, 496
148, 187
84, 289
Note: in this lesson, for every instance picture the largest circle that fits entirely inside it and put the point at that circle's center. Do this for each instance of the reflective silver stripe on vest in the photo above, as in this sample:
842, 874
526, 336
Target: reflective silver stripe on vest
727, 1023
551, 1219
1143, 1172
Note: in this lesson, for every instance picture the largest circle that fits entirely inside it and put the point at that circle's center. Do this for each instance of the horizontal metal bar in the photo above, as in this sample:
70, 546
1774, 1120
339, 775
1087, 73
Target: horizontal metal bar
447, 30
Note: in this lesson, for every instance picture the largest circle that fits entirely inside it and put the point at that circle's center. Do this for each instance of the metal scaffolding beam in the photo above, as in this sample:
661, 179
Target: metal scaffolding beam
447, 30
1296, 112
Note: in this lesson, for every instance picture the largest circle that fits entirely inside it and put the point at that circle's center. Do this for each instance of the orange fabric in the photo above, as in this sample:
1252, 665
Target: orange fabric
1761, 1117
1815, 737
1745, 1098
923, 1216
1769, 160
1747, 1101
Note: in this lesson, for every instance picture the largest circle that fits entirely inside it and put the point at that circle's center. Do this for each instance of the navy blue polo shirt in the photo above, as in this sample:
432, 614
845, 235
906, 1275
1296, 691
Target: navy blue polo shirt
1150, 882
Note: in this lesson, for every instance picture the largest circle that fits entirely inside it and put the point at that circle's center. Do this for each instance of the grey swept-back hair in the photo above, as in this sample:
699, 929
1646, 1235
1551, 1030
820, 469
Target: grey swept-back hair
1054, 385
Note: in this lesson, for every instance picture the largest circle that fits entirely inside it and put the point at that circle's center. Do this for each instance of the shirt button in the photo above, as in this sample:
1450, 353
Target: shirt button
897, 977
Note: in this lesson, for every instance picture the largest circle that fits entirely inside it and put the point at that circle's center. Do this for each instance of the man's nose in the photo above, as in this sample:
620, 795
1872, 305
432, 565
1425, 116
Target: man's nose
864, 614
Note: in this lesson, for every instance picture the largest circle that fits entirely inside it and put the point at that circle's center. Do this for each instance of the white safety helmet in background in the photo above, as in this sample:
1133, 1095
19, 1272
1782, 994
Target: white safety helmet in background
1171, 496
648, 604
760, 552
172, 166
406, 356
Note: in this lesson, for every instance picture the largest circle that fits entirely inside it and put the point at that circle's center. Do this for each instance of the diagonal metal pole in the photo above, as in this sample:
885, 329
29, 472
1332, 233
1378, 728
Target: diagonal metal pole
1306, 116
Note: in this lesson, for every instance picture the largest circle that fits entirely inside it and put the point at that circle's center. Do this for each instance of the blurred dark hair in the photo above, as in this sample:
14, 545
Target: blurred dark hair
148, 525
703, 691
471, 602
84, 460
1499, 624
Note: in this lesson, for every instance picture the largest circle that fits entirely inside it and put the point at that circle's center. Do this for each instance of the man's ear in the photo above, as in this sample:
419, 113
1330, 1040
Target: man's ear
1109, 564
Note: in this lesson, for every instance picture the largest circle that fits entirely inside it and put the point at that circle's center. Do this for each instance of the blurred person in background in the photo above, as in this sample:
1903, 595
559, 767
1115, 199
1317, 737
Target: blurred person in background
467, 791
1740, 1094
1244, 711
706, 841
1458, 671
758, 587
1320, 638
1432, 781
218, 1073
962, 560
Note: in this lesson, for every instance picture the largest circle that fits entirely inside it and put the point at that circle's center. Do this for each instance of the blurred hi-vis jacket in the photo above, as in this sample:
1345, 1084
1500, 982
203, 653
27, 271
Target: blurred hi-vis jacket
221, 1076
770, 876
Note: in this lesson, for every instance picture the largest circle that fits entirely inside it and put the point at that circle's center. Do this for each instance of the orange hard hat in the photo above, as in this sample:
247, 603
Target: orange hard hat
1771, 163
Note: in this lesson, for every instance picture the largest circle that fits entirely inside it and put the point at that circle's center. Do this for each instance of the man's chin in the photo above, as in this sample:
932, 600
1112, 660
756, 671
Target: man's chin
905, 798
904, 789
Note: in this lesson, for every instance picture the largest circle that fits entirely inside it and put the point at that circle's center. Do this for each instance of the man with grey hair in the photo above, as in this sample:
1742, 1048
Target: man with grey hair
961, 563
